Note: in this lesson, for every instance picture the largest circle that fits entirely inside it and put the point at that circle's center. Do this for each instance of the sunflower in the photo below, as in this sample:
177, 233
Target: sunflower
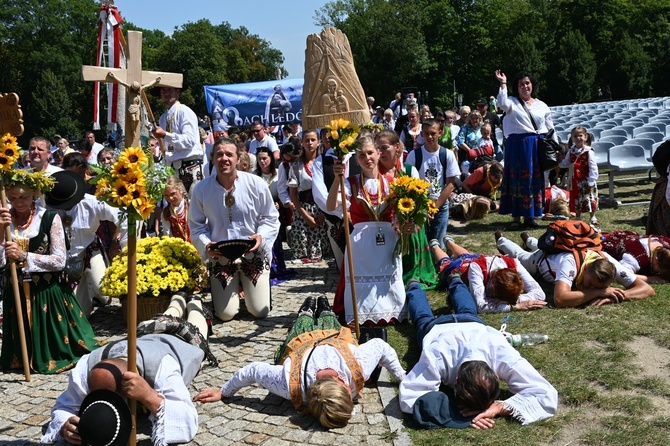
10, 152
122, 193
121, 170
146, 208
5, 163
133, 156
406, 205
432, 208
8, 140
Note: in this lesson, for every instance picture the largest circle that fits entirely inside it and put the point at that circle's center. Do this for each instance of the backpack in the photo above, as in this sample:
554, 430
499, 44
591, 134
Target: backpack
418, 161
481, 160
573, 236
661, 159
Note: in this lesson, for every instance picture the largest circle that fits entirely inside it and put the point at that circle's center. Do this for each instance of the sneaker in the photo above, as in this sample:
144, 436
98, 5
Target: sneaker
594, 221
433, 242
455, 274
410, 282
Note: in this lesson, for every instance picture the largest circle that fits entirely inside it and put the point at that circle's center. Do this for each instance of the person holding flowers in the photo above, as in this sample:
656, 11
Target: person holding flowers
417, 263
59, 331
234, 205
378, 269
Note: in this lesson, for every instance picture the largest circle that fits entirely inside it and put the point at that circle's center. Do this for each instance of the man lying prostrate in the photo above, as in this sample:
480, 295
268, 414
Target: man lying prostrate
462, 352
590, 285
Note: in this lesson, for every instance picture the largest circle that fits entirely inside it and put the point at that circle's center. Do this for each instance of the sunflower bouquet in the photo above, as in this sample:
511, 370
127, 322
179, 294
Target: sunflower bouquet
9, 153
165, 265
342, 136
134, 183
412, 204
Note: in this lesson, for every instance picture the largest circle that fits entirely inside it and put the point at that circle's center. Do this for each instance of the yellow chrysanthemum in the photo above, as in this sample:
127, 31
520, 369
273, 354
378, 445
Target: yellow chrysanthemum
133, 156
406, 205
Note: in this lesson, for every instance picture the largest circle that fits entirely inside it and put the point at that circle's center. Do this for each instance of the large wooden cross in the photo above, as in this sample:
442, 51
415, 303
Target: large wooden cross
135, 80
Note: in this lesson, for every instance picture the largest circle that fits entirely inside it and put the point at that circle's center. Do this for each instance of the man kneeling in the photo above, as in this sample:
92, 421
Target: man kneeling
462, 352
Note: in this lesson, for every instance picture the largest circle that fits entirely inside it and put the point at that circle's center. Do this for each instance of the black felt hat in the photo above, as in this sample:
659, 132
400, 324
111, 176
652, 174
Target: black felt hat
104, 419
233, 249
68, 191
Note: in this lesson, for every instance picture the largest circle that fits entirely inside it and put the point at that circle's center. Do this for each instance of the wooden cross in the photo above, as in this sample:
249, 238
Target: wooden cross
135, 80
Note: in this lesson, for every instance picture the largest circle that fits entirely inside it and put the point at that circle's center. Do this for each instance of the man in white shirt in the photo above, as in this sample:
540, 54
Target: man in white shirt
591, 285
38, 155
178, 127
234, 205
166, 366
261, 139
96, 146
82, 215
462, 352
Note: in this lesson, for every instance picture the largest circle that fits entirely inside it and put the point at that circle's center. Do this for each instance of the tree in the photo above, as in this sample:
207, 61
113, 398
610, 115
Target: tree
573, 73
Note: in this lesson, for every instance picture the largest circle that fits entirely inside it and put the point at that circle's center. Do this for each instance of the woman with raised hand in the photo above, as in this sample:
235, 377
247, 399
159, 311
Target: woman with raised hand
522, 189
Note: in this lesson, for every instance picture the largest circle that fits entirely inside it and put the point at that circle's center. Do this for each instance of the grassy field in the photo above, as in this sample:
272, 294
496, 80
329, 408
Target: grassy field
610, 365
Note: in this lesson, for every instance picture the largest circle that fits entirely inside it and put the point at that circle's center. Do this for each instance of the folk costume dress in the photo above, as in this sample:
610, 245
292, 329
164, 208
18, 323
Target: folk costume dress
58, 333
378, 273
278, 271
175, 221
584, 190
418, 264
307, 243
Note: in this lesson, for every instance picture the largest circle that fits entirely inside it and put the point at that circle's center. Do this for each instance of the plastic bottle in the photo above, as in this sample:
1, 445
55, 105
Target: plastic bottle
526, 339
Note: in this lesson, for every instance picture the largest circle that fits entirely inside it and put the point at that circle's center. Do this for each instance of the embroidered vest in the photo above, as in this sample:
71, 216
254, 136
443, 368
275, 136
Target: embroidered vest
300, 344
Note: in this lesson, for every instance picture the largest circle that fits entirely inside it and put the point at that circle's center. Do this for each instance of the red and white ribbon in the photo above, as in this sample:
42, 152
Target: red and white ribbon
109, 30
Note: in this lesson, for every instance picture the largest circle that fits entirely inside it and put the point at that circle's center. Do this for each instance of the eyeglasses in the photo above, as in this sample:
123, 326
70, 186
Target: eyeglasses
257, 130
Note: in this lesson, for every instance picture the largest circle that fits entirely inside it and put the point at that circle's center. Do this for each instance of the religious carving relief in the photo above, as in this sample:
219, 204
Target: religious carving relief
11, 116
332, 89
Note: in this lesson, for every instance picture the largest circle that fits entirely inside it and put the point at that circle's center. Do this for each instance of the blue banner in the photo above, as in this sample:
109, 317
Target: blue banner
270, 102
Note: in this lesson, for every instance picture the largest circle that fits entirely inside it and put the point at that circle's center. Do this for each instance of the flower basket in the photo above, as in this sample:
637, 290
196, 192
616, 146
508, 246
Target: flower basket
147, 307
165, 266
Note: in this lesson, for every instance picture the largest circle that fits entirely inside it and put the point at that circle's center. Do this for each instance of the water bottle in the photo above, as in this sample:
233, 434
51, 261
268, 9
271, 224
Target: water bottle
526, 339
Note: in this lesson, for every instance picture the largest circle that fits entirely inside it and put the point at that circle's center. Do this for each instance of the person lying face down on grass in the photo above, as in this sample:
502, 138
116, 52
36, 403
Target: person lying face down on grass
460, 351
591, 285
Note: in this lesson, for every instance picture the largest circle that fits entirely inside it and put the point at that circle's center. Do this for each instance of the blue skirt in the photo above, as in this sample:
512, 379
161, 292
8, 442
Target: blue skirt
521, 192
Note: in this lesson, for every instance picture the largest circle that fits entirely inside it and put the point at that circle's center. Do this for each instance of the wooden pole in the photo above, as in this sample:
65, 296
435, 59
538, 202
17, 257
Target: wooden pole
17, 295
132, 319
350, 257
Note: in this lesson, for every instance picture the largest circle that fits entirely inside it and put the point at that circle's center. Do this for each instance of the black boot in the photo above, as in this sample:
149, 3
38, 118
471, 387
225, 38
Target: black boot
321, 306
309, 305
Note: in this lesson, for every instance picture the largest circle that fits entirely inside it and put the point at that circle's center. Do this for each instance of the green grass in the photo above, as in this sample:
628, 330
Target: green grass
604, 400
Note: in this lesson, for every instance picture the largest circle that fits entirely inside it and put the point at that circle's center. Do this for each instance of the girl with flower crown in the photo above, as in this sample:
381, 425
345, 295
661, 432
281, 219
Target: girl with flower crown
378, 272
59, 330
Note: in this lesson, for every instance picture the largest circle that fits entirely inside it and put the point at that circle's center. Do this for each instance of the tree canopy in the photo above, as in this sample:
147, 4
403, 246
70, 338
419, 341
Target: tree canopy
579, 50
44, 43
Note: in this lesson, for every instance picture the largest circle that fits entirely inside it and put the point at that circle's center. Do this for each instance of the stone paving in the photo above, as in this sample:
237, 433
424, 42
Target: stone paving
253, 416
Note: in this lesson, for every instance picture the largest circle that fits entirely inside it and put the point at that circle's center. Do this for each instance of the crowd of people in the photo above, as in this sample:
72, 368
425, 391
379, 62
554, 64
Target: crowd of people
257, 190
